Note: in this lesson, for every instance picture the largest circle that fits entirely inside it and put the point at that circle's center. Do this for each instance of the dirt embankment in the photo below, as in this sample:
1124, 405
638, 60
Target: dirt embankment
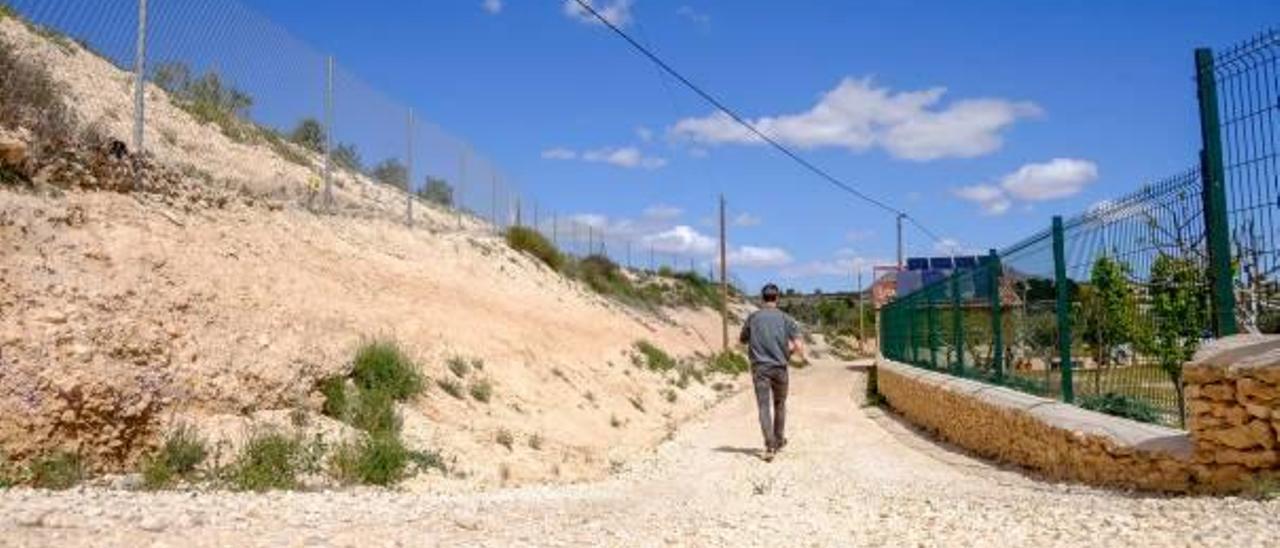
122, 313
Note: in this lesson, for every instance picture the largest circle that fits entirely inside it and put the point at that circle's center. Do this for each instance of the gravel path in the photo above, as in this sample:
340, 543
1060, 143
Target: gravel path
851, 476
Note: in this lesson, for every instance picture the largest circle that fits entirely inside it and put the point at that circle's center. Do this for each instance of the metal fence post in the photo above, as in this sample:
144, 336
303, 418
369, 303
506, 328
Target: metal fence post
328, 134
997, 326
1063, 309
957, 325
932, 319
140, 79
1213, 177
408, 170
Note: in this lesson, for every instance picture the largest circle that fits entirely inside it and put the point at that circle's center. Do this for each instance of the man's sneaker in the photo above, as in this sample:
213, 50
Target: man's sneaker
781, 443
768, 455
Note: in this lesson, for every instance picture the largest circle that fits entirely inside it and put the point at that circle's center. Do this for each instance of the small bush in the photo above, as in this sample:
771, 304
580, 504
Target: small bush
535, 442
450, 387
504, 438
30, 98
382, 366
670, 395
59, 470
729, 363
379, 459
605, 277
482, 390
873, 396
182, 452
477, 364
269, 460
309, 134
1120, 405
614, 421
375, 412
458, 366
654, 358
426, 460
334, 390
530, 241
637, 403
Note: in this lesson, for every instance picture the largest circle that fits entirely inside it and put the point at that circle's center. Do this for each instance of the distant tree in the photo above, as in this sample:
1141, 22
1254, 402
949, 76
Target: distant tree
391, 172
346, 156
437, 191
1179, 313
309, 134
1109, 307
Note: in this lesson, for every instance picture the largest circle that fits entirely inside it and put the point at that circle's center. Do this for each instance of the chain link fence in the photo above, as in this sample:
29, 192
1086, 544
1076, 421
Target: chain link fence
1103, 309
231, 97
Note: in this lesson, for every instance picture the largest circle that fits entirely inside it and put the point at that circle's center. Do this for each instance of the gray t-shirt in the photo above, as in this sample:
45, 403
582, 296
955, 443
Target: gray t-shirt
766, 334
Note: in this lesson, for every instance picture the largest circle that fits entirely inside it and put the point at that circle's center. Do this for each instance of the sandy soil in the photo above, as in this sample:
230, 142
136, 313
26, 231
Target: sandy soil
850, 477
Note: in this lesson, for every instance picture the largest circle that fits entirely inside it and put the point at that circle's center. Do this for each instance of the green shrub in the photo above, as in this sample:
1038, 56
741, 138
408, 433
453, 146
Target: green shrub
58, 470
530, 241
427, 459
309, 134
450, 387
375, 412
183, 450
1121, 405
729, 363
334, 390
504, 438
604, 276
378, 459
381, 366
269, 460
6, 12
30, 98
482, 390
458, 366
653, 357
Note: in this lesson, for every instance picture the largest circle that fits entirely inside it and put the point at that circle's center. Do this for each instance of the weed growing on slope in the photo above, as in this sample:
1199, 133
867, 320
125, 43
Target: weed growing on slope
729, 363
669, 395
450, 387
530, 241
183, 450
458, 366
58, 470
482, 390
378, 459
504, 438
535, 442
654, 358
268, 461
382, 366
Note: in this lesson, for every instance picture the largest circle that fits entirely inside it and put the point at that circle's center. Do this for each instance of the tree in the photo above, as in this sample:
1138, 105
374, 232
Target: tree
346, 156
1109, 308
391, 172
437, 191
1179, 312
309, 134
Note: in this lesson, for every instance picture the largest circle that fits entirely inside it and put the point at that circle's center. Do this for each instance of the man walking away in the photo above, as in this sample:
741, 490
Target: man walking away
771, 337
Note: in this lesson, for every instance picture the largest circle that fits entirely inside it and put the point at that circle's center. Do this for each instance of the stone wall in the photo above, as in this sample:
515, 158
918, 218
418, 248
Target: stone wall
1232, 442
1233, 410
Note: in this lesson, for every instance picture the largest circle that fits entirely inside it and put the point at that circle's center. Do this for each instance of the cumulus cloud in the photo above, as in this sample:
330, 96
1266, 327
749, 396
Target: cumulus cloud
617, 12
644, 134
859, 114
494, 7
559, 153
694, 15
625, 157
681, 239
749, 256
1058, 178
745, 219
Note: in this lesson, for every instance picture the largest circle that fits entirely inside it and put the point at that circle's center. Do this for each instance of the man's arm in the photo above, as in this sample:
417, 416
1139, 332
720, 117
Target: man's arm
795, 339
744, 336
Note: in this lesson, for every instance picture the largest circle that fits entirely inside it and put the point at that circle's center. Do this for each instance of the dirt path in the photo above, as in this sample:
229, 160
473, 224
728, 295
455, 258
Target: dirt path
851, 476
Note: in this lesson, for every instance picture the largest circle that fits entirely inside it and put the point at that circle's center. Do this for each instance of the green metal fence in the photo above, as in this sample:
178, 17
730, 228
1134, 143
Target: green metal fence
1102, 309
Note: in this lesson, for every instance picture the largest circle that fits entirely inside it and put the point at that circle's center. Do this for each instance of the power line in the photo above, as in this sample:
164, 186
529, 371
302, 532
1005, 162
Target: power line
751, 127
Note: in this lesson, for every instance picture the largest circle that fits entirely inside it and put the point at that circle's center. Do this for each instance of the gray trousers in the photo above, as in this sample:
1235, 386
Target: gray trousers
771, 394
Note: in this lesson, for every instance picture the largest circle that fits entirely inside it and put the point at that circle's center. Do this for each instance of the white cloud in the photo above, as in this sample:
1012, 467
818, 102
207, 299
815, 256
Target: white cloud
748, 256
662, 212
745, 219
681, 239
592, 220
494, 7
559, 153
693, 15
644, 134
626, 157
858, 115
617, 12
845, 264
1058, 178
991, 198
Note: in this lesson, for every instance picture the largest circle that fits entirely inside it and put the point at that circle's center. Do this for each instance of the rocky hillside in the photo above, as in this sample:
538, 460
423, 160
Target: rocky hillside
193, 287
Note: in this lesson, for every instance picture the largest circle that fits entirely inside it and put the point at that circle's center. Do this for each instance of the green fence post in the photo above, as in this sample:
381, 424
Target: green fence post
1063, 309
997, 327
1213, 178
932, 317
912, 323
957, 333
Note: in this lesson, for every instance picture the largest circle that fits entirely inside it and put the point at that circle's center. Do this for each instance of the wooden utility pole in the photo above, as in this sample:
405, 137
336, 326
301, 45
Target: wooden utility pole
724, 284
862, 328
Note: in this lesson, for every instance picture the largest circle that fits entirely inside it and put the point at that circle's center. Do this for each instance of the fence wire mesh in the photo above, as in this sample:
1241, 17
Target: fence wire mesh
236, 98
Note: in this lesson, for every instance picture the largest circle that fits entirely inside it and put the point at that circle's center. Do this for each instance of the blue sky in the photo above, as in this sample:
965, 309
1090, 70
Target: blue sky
980, 118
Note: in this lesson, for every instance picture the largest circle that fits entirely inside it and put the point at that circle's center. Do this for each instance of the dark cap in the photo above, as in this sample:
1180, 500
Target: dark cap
770, 292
